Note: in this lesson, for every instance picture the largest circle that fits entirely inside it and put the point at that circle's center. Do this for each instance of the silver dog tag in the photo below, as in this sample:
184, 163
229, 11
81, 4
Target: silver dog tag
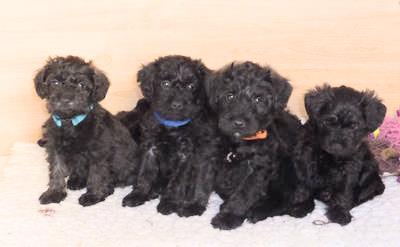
229, 157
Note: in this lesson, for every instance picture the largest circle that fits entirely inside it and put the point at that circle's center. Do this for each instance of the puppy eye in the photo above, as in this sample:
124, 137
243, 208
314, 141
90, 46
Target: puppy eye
190, 86
80, 85
229, 97
259, 99
331, 121
56, 83
165, 84
353, 125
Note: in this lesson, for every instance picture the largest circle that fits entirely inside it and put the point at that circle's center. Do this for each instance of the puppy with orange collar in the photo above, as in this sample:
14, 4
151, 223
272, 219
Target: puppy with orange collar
257, 178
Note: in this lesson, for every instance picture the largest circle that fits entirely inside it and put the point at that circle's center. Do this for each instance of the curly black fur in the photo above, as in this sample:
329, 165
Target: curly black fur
98, 153
177, 163
131, 119
257, 179
333, 157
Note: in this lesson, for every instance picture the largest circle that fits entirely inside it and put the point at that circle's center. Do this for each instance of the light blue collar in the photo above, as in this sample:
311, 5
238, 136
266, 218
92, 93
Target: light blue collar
171, 123
75, 120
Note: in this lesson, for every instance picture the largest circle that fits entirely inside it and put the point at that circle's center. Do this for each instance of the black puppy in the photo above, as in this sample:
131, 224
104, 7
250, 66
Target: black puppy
178, 144
333, 156
257, 179
83, 140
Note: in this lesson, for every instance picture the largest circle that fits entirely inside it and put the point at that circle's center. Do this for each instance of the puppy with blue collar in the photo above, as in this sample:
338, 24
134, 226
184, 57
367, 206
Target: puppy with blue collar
176, 136
83, 141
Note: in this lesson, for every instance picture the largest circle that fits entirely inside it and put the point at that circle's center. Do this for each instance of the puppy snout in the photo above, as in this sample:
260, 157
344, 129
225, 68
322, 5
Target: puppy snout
66, 102
176, 105
336, 146
59, 103
239, 123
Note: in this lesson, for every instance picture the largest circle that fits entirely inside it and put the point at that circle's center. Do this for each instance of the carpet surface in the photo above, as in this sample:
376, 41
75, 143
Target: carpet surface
24, 222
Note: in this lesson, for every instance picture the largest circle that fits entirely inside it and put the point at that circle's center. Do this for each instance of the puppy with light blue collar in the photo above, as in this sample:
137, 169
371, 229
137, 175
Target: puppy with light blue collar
176, 136
83, 141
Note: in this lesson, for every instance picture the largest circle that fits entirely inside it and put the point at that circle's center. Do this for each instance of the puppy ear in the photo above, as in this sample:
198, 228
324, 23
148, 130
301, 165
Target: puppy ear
282, 88
374, 110
213, 83
101, 85
145, 78
40, 83
210, 86
315, 100
201, 70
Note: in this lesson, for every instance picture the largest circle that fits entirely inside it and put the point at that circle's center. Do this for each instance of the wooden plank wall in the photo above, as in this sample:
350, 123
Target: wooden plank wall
352, 42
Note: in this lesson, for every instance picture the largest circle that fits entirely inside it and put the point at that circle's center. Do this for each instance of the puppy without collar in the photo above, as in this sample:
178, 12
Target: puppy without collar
333, 157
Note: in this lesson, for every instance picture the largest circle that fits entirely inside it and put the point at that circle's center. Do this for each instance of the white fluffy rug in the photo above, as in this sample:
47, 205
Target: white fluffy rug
24, 222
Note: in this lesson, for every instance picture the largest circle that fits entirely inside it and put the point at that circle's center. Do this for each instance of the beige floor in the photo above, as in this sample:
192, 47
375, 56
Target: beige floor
348, 42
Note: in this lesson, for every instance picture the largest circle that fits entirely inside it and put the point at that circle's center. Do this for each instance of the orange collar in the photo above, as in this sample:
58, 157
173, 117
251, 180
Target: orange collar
259, 135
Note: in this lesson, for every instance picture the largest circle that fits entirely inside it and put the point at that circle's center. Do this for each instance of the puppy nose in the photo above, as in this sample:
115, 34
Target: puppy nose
239, 123
66, 101
336, 146
176, 105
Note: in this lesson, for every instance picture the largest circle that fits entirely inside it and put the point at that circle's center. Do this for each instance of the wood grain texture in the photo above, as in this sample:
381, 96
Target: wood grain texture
352, 42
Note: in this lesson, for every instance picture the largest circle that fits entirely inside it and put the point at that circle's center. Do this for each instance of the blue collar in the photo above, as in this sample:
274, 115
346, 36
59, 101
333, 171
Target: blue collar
75, 120
171, 123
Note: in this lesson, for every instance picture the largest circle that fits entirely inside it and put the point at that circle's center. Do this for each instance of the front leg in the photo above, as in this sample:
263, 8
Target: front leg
342, 201
146, 179
370, 183
233, 211
339, 207
304, 164
56, 191
170, 199
200, 186
190, 187
78, 178
301, 201
99, 184
181, 179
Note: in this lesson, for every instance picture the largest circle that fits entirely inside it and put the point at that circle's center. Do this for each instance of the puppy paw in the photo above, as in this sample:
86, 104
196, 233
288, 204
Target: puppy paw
300, 194
324, 196
192, 209
89, 199
76, 183
134, 199
339, 215
227, 221
51, 196
257, 214
166, 207
302, 209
